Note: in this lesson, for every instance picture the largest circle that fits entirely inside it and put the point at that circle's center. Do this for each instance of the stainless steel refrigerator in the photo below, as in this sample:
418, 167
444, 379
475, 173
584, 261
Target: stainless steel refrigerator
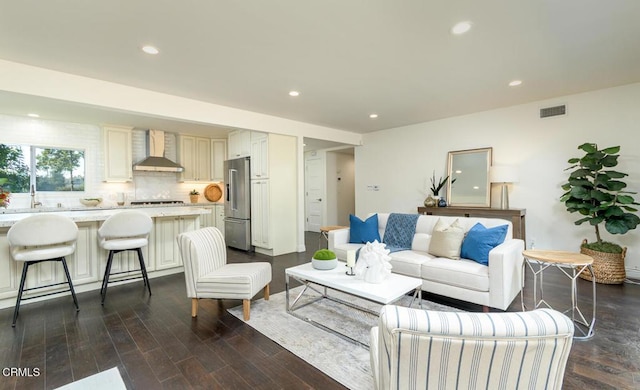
237, 204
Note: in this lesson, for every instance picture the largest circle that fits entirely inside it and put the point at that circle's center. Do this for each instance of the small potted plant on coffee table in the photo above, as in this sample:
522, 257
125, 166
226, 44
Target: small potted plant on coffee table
324, 259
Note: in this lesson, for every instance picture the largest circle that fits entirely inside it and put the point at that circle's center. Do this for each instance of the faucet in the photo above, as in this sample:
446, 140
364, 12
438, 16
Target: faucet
33, 198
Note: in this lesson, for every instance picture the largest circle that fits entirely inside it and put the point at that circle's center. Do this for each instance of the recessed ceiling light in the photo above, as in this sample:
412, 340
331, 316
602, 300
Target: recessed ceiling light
373, 116
515, 83
461, 28
476, 187
33, 115
294, 93
150, 49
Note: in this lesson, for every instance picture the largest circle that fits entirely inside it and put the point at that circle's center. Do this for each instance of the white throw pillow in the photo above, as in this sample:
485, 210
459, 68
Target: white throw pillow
446, 240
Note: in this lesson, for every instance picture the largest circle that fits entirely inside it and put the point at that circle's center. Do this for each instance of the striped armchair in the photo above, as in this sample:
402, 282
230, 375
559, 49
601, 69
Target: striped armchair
420, 349
207, 274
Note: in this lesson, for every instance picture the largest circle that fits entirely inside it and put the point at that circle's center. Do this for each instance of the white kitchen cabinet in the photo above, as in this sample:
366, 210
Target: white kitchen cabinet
239, 144
166, 230
83, 263
209, 219
273, 200
194, 154
220, 218
117, 154
218, 155
260, 214
259, 155
8, 268
215, 218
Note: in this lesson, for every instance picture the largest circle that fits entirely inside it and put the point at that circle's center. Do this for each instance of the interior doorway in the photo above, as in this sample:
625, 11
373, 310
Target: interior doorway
314, 191
329, 187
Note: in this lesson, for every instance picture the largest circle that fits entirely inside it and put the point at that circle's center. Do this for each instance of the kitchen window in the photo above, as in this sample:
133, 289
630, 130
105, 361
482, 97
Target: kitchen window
48, 169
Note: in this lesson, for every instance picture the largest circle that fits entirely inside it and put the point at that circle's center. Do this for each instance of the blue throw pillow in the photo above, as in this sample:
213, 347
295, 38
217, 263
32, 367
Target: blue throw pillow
365, 231
480, 240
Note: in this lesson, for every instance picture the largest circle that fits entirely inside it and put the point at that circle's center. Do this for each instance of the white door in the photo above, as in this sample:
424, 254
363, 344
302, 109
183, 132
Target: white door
314, 193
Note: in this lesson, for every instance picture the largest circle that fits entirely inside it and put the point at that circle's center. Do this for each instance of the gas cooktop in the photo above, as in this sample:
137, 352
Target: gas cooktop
155, 201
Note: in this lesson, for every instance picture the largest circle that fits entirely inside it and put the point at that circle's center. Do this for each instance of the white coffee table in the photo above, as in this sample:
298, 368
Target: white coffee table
390, 290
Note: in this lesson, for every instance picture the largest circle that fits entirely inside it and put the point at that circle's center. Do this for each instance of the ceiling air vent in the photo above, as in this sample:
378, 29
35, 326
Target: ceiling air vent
553, 111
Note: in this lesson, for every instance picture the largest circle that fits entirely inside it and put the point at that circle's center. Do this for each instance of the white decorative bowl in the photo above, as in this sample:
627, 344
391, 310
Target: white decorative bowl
91, 202
324, 264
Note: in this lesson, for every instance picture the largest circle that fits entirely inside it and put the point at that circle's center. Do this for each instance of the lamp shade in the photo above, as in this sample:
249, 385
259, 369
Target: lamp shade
503, 174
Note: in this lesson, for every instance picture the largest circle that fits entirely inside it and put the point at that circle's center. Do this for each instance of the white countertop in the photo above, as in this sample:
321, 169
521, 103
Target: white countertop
90, 214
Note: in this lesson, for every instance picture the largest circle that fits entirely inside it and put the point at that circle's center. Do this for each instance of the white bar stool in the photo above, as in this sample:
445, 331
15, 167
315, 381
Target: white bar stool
39, 238
124, 231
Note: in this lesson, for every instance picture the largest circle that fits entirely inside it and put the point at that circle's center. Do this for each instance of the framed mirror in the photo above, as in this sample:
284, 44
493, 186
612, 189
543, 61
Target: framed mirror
470, 170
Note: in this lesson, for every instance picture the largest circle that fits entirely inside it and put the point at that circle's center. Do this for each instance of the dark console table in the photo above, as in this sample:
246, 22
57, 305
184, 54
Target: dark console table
516, 216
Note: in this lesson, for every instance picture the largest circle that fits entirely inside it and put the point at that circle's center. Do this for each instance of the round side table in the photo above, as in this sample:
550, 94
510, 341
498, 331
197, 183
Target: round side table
571, 264
324, 232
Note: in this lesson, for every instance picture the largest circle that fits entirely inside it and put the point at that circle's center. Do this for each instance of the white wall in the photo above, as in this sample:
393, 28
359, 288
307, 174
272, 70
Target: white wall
401, 160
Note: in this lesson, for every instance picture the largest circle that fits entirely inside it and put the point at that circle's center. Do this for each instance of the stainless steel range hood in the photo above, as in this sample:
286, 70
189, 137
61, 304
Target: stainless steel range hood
155, 150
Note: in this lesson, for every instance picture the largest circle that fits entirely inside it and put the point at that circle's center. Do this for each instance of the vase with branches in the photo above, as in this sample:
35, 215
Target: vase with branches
436, 187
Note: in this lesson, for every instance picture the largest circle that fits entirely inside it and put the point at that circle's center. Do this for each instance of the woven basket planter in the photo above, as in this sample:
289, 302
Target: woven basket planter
608, 268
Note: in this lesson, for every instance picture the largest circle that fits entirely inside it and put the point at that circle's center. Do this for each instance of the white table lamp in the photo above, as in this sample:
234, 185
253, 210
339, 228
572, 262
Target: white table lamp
503, 174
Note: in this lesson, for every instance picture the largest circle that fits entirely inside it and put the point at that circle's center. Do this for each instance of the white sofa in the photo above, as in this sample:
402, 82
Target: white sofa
495, 285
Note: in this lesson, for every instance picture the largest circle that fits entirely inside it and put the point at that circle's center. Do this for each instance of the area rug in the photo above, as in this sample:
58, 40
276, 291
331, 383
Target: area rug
343, 360
106, 380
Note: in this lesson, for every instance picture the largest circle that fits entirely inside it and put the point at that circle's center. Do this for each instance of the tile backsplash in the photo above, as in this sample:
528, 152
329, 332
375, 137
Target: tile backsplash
145, 185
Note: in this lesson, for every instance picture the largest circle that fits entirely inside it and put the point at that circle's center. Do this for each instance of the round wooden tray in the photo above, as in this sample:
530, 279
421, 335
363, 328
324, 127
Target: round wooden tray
213, 193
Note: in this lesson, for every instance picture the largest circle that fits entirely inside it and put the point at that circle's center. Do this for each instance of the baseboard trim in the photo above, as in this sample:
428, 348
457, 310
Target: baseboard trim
633, 273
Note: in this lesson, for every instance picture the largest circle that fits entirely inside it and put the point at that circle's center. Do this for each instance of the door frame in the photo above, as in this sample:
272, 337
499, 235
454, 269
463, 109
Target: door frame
320, 155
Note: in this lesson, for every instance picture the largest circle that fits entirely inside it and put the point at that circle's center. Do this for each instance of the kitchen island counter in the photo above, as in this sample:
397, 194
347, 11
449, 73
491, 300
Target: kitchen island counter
101, 214
87, 263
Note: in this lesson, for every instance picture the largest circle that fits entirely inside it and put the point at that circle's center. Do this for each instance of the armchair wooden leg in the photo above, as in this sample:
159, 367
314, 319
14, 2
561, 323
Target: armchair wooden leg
266, 292
246, 307
485, 309
194, 307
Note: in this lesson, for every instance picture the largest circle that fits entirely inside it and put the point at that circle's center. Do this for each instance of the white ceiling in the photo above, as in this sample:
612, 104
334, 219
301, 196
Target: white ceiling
347, 58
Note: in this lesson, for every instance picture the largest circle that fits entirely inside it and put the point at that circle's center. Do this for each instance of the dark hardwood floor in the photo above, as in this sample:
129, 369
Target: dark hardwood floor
157, 345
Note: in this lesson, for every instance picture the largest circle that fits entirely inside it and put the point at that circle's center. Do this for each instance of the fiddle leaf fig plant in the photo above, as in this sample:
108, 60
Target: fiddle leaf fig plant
595, 191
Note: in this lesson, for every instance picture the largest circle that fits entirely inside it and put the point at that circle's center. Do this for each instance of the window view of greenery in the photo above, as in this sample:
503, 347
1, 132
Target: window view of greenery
14, 168
55, 169
59, 170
